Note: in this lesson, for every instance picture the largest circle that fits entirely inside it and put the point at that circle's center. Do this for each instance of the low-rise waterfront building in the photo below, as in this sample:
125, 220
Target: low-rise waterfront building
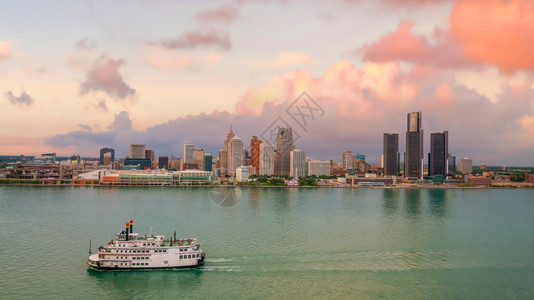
241, 174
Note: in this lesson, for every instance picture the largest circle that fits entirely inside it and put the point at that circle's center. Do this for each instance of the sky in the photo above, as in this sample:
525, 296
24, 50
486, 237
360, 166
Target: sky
77, 76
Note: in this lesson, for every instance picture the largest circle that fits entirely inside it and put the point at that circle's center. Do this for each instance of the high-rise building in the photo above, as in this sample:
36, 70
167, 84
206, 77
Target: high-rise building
188, 153
266, 160
223, 161
137, 151
149, 154
163, 162
107, 156
391, 158
255, 153
439, 150
413, 158
318, 167
284, 146
224, 154
235, 155
208, 162
347, 160
198, 158
297, 164
466, 166
452, 164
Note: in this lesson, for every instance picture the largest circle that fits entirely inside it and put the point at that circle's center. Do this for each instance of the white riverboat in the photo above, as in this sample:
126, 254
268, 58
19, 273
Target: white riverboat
131, 251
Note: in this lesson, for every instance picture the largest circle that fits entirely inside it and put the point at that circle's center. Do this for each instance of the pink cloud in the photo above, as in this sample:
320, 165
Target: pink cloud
398, 3
359, 105
169, 61
105, 77
495, 32
199, 38
405, 45
225, 13
6, 50
481, 33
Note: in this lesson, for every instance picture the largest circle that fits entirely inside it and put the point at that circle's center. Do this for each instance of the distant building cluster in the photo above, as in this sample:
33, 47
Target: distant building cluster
235, 163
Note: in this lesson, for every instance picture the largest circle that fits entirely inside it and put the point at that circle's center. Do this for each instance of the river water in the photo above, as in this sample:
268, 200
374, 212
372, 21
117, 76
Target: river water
282, 243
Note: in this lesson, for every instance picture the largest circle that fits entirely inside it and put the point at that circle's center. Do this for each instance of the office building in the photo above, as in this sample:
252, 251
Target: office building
208, 162
188, 153
241, 174
235, 155
284, 146
452, 164
224, 153
466, 166
439, 150
391, 156
347, 160
266, 160
163, 162
318, 167
297, 163
137, 163
255, 153
413, 158
222, 161
137, 151
149, 154
198, 158
107, 156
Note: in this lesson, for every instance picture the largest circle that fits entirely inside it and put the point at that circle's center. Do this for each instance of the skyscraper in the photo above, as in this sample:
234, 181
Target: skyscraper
297, 164
452, 164
163, 162
107, 156
413, 159
255, 153
149, 154
208, 162
222, 162
266, 160
224, 154
391, 154
137, 150
284, 146
439, 150
235, 155
347, 160
198, 158
188, 153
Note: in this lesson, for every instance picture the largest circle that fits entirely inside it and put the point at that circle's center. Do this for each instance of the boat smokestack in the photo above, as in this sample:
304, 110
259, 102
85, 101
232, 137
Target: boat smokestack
127, 225
131, 226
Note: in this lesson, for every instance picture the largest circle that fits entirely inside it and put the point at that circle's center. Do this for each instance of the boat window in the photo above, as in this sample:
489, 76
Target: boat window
180, 257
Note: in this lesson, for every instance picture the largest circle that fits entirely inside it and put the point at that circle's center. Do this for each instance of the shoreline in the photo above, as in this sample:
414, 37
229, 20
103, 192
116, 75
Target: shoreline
400, 187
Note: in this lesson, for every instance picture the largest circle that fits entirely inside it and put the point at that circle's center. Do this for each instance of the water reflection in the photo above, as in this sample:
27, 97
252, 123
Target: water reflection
254, 199
284, 199
438, 202
390, 203
412, 202
145, 284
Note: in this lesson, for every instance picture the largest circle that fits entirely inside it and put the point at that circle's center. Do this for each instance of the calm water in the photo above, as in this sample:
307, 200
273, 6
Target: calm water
275, 243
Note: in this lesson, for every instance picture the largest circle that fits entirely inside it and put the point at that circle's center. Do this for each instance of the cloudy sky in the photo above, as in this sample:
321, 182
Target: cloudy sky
76, 76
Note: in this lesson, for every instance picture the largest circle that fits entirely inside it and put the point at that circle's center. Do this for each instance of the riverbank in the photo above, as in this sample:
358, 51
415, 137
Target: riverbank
400, 186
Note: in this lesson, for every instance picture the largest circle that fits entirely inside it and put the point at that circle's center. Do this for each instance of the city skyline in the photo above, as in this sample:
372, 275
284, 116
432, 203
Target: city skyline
192, 69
